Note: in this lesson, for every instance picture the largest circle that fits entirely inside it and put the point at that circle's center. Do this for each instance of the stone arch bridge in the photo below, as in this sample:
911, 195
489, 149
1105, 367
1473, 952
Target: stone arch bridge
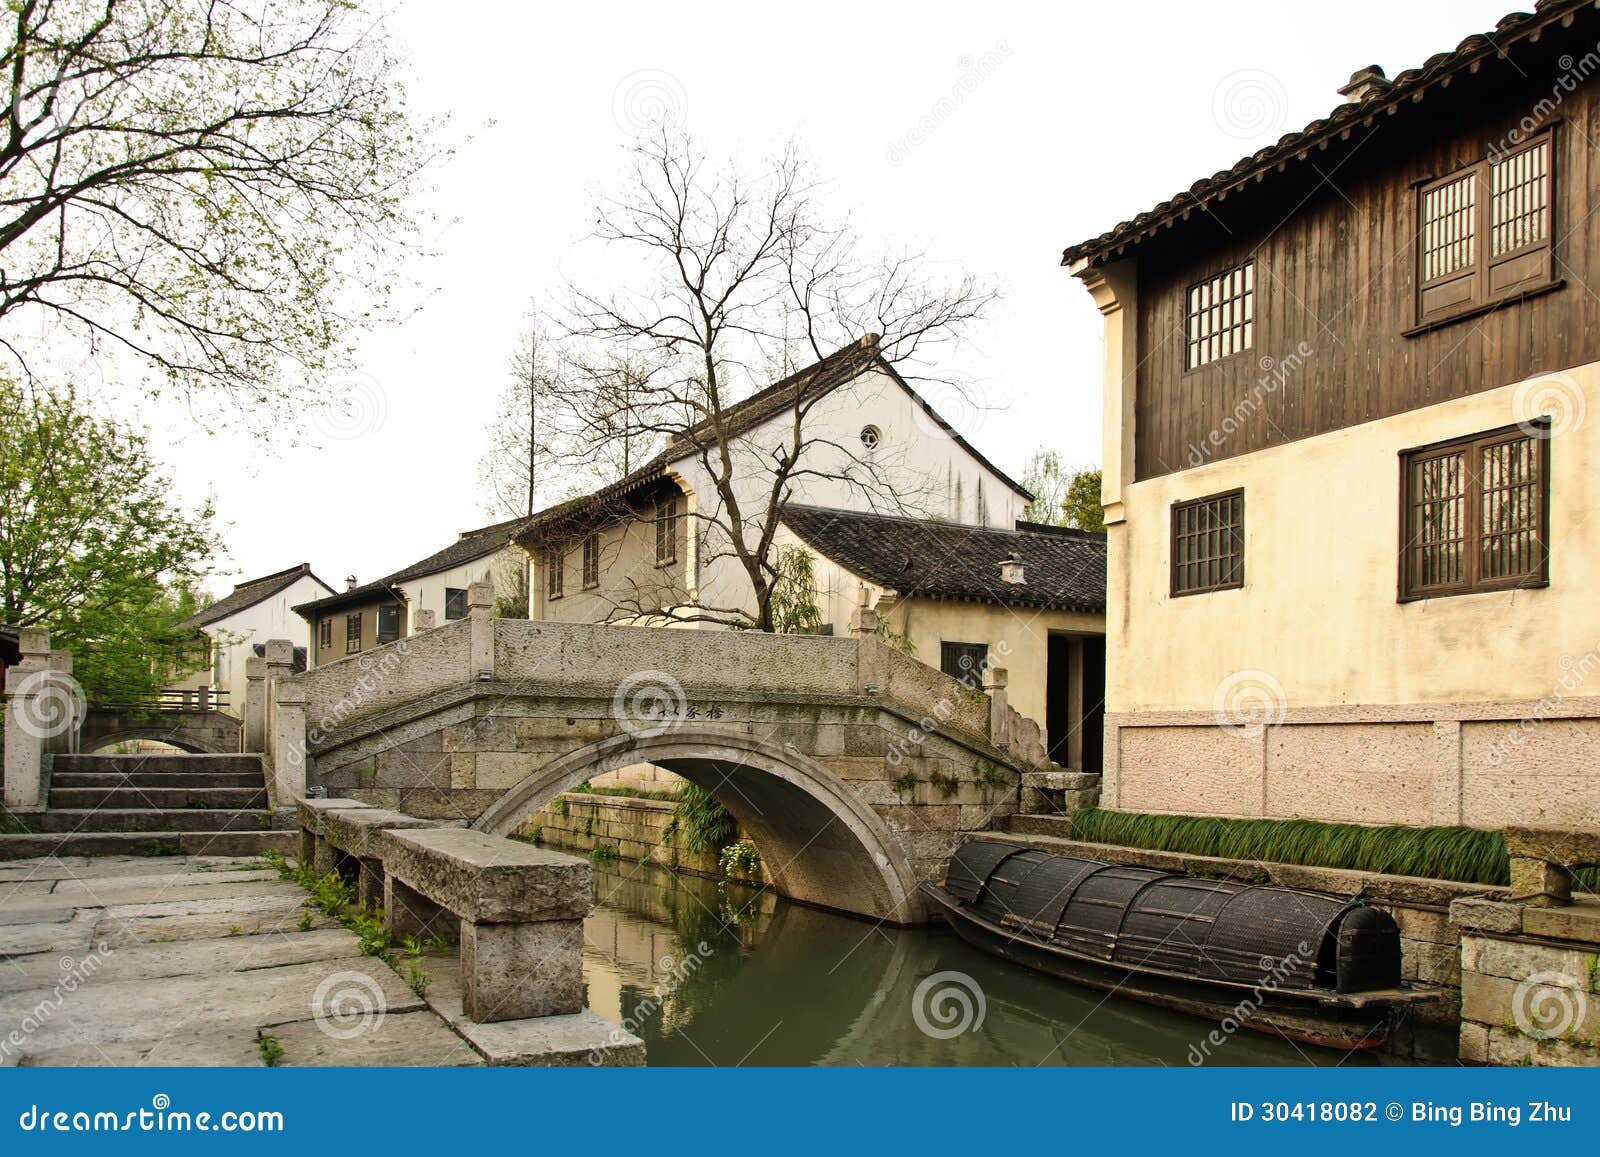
187, 721
857, 769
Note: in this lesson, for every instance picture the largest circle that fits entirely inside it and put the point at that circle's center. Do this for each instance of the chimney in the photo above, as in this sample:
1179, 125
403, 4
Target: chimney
349, 582
1363, 83
1011, 571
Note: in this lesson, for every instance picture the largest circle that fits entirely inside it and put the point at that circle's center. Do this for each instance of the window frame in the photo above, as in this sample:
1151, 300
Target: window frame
378, 632
951, 650
1479, 271
1174, 591
666, 521
1189, 365
555, 577
355, 621
455, 597
325, 634
1536, 432
591, 561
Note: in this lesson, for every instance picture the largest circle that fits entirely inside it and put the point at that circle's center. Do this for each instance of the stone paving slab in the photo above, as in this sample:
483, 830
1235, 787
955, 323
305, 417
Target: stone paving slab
185, 958
122, 928
213, 1048
101, 885
16, 889
409, 1039
151, 1011
82, 868
50, 936
10, 916
217, 895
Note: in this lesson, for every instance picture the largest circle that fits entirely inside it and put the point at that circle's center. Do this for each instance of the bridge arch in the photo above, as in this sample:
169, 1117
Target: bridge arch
199, 733
819, 841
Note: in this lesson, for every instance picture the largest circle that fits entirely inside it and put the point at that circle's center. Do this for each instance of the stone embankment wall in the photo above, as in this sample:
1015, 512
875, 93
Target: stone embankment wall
636, 829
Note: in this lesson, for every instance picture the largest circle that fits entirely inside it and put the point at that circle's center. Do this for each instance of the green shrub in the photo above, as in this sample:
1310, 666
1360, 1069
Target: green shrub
741, 860
705, 824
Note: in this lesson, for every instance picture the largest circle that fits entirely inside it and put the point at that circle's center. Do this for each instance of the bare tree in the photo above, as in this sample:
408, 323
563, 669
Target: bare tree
510, 469
214, 187
742, 279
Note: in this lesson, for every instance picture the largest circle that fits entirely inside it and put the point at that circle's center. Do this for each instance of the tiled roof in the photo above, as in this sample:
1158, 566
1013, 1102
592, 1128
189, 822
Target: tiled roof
366, 593
1062, 569
471, 545
1386, 98
838, 368
247, 594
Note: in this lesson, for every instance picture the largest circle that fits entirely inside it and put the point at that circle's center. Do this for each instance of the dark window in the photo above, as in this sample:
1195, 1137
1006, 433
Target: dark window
1485, 232
388, 624
666, 531
325, 633
1208, 544
352, 634
1221, 315
1474, 513
964, 661
554, 579
591, 561
455, 603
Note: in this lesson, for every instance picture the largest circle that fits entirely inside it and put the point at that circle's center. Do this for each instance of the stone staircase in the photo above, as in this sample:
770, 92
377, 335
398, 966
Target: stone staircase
132, 805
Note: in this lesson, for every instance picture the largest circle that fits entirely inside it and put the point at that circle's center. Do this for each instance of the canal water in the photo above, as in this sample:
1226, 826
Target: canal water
712, 973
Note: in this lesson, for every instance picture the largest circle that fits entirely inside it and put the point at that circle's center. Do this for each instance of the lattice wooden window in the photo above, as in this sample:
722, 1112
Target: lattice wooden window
666, 531
554, 574
591, 561
388, 624
1484, 233
325, 633
1474, 513
1208, 544
455, 602
964, 661
352, 634
1221, 315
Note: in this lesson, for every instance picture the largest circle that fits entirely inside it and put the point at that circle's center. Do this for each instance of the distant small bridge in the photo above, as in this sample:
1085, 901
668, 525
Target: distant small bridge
190, 720
854, 767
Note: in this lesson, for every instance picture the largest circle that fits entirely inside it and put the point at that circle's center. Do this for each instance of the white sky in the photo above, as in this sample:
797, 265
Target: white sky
1085, 115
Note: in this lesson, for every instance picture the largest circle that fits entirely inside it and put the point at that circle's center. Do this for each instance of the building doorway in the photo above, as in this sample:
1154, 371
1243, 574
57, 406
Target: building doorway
1075, 692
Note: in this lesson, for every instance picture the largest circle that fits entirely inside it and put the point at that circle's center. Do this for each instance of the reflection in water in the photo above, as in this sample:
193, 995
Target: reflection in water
720, 974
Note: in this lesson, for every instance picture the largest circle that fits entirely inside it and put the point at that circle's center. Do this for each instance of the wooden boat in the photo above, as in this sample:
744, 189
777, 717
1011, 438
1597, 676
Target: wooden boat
1308, 966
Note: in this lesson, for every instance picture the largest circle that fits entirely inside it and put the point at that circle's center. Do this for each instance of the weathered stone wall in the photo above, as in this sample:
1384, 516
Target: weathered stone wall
1530, 987
635, 829
388, 676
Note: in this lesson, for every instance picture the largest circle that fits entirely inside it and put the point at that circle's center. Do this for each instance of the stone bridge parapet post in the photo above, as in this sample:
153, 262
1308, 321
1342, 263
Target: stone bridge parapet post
480, 609
288, 744
255, 705
29, 711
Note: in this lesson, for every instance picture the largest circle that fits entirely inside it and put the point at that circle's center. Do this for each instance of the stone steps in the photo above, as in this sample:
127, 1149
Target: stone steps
143, 819
183, 779
120, 797
155, 843
183, 763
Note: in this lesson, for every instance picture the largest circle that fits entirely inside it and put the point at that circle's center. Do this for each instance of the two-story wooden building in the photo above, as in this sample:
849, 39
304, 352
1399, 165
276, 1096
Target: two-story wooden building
1352, 455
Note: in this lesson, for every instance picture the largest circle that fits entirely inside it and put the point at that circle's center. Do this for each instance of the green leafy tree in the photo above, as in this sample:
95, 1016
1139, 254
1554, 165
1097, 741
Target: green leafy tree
93, 548
217, 191
794, 595
1081, 506
1062, 496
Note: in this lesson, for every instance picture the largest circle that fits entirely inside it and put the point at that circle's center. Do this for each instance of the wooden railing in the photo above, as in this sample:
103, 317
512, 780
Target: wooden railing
173, 699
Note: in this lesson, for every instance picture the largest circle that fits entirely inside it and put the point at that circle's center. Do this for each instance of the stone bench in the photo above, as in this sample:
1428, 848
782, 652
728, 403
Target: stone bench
309, 815
1543, 860
520, 912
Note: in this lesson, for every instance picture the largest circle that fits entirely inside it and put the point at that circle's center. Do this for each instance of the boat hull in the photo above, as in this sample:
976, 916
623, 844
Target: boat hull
1322, 1018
